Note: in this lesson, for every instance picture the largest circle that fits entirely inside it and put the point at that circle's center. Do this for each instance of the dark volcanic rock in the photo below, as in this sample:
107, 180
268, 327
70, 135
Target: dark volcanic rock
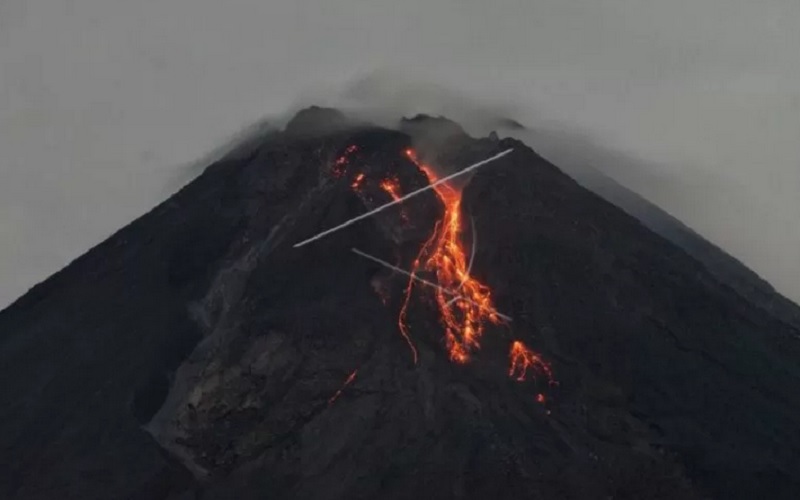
726, 268
197, 354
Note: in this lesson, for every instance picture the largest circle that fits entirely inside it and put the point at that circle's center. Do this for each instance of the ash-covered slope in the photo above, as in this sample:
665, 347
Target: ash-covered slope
722, 265
197, 354
584, 160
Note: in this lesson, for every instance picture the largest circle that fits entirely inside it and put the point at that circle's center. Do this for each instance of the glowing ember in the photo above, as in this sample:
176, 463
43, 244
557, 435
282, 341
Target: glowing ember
357, 181
392, 186
347, 382
464, 320
340, 164
540, 398
522, 359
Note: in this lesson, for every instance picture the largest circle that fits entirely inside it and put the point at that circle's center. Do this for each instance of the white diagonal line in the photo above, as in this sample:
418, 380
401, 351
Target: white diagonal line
401, 199
426, 282
471, 259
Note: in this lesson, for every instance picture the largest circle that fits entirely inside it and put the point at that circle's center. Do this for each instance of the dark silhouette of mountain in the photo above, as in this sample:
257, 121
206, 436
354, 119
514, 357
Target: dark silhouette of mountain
583, 159
722, 265
197, 354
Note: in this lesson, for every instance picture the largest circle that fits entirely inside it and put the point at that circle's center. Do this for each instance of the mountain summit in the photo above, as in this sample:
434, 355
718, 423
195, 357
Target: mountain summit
504, 334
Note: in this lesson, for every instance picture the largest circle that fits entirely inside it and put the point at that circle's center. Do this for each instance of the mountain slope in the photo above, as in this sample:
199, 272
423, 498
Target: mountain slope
197, 354
587, 162
722, 265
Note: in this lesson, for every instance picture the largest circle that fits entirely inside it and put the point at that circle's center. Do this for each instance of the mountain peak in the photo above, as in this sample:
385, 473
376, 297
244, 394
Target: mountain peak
316, 121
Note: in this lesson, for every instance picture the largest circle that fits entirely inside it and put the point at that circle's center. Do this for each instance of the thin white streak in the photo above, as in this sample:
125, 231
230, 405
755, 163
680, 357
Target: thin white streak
402, 199
471, 259
425, 282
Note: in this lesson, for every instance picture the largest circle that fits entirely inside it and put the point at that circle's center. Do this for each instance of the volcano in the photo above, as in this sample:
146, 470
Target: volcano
505, 334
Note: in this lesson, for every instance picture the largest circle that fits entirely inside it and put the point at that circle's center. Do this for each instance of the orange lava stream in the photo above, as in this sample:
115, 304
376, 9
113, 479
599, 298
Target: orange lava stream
392, 188
464, 320
444, 256
347, 382
522, 359
401, 321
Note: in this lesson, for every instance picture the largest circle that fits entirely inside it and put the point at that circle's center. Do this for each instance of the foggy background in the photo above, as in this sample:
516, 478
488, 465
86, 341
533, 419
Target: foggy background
104, 103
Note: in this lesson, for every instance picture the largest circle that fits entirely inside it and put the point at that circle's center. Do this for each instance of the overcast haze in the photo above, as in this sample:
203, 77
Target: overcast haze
103, 101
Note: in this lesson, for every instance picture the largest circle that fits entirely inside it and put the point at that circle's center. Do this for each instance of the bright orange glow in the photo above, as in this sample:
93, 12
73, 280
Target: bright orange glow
540, 398
357, 182
443, 255
347, 382
401, 322
521, 359
392, 187
464, 320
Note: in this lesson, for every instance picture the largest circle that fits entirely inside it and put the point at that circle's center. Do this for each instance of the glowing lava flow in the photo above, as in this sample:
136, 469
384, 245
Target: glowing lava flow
464, 317
392, 187
463, 320
401, 321
347, 382
357, 181
521, 359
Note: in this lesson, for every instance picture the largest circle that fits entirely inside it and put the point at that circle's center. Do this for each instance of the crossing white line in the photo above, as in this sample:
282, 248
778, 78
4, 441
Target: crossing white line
426, 282
402, 199
471, 259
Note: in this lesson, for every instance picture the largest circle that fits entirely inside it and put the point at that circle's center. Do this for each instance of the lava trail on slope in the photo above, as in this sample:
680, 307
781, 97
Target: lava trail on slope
465, 306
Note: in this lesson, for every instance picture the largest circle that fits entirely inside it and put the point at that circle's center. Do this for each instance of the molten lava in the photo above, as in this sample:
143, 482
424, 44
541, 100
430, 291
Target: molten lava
465, 316
401, 321
464, 319
348, 381
521, 359
392, 187
357, 181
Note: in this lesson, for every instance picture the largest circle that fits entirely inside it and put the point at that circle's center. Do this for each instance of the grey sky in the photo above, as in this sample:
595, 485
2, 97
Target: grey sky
101, 100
